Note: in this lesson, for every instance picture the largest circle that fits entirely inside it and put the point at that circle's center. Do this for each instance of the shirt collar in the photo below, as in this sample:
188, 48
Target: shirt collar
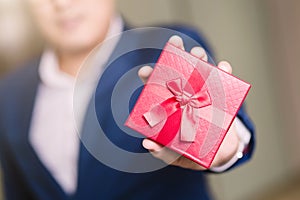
49, 71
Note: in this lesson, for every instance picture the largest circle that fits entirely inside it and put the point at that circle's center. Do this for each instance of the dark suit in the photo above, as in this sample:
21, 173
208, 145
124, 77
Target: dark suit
25, 177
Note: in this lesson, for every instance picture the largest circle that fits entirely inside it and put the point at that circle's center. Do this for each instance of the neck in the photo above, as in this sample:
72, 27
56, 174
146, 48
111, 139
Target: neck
71, 63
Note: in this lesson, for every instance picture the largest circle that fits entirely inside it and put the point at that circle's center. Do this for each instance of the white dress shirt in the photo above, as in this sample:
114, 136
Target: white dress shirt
53, 134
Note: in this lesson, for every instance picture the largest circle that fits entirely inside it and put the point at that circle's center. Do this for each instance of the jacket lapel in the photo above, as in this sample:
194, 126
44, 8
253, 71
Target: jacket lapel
22, 105
121, 61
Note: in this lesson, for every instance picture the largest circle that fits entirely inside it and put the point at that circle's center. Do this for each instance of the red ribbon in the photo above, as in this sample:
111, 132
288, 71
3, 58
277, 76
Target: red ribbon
189, 99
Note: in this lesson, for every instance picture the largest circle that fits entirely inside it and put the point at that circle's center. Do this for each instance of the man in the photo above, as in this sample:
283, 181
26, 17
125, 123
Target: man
41, 155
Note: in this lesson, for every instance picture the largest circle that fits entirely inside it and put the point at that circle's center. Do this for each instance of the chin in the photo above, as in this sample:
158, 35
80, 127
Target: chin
78, 45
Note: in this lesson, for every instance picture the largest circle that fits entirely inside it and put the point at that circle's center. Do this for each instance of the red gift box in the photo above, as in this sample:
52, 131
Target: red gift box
188, 105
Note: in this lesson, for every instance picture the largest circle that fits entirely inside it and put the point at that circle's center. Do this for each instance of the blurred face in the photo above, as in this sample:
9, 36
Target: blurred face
72, 26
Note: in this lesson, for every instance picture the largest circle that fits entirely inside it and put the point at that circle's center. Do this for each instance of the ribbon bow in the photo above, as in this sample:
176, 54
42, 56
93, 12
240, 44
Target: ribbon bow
189, 99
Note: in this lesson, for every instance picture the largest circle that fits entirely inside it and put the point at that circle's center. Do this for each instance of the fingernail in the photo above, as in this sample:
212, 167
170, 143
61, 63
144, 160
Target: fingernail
145, 71
225, 66
198, 51
177, 41
147, 144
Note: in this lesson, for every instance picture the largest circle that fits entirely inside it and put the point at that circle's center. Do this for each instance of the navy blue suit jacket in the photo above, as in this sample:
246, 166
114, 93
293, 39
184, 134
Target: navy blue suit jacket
25, 176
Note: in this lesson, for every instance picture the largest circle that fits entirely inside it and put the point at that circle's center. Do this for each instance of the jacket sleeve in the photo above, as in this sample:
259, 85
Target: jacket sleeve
248, 151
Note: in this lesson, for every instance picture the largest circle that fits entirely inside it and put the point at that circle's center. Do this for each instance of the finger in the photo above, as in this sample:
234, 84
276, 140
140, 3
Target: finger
177, 41
169, 156
173, 158
160, 152
199, 52
166, 155
144, 73
224, 65
151, 145
188, 164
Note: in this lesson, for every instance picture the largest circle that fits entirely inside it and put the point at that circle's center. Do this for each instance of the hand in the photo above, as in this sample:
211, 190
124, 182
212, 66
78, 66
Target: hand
230, 144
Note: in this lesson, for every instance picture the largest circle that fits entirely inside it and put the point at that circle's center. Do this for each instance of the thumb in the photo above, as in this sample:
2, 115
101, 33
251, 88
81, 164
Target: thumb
144, 73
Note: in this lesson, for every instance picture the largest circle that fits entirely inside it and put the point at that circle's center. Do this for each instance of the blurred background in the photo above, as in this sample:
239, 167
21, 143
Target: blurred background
261, 40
